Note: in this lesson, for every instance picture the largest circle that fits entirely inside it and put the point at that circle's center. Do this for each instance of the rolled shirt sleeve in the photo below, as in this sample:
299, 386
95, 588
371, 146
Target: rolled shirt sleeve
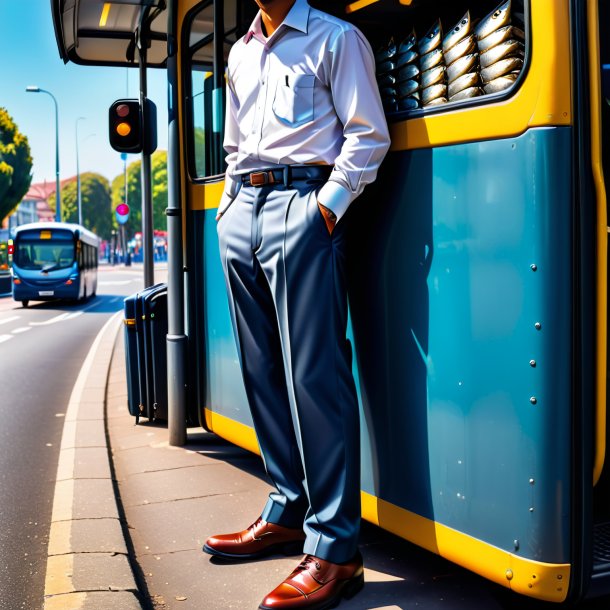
358, 107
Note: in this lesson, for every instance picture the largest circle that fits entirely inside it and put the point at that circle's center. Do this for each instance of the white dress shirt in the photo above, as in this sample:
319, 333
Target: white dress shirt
306, 94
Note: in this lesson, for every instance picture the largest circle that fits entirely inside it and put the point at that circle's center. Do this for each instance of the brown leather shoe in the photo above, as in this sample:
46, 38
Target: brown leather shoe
259, 540
317, 585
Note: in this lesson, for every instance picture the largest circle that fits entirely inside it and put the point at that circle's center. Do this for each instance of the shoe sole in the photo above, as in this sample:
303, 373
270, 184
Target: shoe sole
288, 548
351, 588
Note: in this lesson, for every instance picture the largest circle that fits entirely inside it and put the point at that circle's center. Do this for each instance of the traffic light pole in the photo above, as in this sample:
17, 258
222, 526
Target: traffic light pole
147, 219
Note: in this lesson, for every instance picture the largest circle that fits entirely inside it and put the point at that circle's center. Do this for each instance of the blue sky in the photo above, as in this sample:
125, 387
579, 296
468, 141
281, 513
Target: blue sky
29, 56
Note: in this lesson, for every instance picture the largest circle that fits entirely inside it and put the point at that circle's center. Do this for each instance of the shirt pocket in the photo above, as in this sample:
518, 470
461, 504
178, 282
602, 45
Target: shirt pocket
293, 101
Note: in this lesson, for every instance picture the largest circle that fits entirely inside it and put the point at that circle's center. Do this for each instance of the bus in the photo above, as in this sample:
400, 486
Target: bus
477, 289
54, 260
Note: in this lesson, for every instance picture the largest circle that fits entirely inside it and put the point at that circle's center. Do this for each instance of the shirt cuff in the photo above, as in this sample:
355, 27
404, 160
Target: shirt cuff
335, 197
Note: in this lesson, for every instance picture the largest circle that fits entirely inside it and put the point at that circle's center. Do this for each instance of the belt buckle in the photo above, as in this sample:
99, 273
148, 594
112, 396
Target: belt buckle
259, 178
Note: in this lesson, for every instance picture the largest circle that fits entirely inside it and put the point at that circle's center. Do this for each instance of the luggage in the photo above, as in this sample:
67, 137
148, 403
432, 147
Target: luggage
146, 352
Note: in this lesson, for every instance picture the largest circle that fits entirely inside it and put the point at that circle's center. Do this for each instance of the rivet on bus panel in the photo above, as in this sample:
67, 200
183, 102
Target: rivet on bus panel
533, 400
533, 363
534, 267
531, 509
532, 481
538, 326
509, 574
516, 544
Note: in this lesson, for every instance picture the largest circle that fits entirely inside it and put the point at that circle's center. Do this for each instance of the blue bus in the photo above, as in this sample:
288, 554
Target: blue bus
54, 260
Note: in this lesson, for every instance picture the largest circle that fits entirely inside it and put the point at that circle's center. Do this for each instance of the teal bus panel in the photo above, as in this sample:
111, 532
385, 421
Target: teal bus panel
460, 304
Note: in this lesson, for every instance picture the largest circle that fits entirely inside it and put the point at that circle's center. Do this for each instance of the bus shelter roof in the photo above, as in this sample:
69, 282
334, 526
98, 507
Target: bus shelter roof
94, 32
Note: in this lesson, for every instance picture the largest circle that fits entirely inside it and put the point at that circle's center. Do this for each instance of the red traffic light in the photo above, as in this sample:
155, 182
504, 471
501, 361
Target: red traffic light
122, 209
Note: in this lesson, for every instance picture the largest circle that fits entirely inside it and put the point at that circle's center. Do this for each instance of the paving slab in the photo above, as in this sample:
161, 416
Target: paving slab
86, 536
120, 600
91, 463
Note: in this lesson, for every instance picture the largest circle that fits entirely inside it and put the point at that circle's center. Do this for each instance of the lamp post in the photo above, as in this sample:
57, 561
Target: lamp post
33, 89
79, 200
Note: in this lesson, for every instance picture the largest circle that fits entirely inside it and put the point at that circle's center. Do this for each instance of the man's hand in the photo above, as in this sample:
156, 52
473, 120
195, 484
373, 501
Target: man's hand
329, 218
218, 217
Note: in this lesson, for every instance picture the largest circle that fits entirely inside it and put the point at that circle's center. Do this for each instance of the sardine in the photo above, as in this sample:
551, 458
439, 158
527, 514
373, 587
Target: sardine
470, 79
431, 40
465, 47
458, 32
510, 48
430, 60
460, 66
431, 93
386, 80
501, 83
409, 103
406, 58
385, 67
509, 32
387, 92
497, 19
437, 102
386, 52
408, 43
501, 68
407, 88
433, 76
408, 72
466, 94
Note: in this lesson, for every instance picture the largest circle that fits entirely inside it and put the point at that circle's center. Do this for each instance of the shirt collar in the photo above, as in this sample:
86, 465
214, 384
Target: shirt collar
297, 18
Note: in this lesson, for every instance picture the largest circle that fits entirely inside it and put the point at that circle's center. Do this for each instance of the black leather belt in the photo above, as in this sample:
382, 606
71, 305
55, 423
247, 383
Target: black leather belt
286, 175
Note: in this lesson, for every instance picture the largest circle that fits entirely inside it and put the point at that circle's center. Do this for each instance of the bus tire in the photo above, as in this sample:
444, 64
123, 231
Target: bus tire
25, 303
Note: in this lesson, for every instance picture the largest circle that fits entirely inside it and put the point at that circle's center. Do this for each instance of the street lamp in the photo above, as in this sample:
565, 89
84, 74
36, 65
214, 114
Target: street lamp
33, 89
78, 191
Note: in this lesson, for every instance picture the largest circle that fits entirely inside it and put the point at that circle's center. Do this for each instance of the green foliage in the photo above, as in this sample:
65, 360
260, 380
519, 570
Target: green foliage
134, 193
95, 197
15, 164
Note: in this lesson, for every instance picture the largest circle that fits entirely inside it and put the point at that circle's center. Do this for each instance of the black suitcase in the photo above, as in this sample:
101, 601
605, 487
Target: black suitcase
146, 353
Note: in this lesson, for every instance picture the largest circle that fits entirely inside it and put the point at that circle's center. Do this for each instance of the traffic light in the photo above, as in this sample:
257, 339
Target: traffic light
125, 126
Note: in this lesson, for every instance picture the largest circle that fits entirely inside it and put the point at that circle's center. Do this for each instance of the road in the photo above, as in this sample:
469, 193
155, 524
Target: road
41, 351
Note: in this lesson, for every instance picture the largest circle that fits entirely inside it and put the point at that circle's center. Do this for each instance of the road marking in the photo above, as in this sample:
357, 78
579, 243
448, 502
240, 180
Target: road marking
11, 319
116, 282
59, 318
4, 338
22, 329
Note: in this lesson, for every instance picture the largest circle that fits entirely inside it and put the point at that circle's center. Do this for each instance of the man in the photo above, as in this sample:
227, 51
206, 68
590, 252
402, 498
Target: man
305, 133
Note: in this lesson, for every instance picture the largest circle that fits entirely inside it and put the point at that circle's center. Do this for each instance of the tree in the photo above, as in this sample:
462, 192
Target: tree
15, 164
95, 197
134, 193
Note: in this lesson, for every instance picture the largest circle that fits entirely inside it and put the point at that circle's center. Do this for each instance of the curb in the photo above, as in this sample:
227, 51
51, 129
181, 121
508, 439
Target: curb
88, 563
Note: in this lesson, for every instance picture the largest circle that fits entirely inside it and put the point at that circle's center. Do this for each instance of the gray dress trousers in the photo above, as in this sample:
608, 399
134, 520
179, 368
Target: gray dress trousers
286, 284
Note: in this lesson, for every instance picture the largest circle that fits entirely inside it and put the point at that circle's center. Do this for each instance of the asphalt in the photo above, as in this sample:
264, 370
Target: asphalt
131, 514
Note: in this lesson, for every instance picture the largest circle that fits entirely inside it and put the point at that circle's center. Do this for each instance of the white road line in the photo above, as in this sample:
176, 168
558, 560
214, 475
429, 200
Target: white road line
11, 319
4, 338
59, 318
116, 282
23, 329
73, 315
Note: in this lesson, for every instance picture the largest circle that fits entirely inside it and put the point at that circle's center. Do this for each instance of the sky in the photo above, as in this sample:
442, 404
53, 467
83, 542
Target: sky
29, 56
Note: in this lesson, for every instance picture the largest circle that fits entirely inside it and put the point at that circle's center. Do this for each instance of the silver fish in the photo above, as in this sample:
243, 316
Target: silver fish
409, 103
461, 66
437, 102
466, 94
431, 93
501, 68
386, 52
459, 31
408, 43
406, 58
430, 60
432, 39
386, 66
407, 88
509, 32
510, 48
497, 19
470, 79
501, 83
464, 47
408, 72
433, 76
386, 80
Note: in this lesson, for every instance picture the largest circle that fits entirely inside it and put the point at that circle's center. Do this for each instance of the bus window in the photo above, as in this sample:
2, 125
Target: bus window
33, 253
206, 104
